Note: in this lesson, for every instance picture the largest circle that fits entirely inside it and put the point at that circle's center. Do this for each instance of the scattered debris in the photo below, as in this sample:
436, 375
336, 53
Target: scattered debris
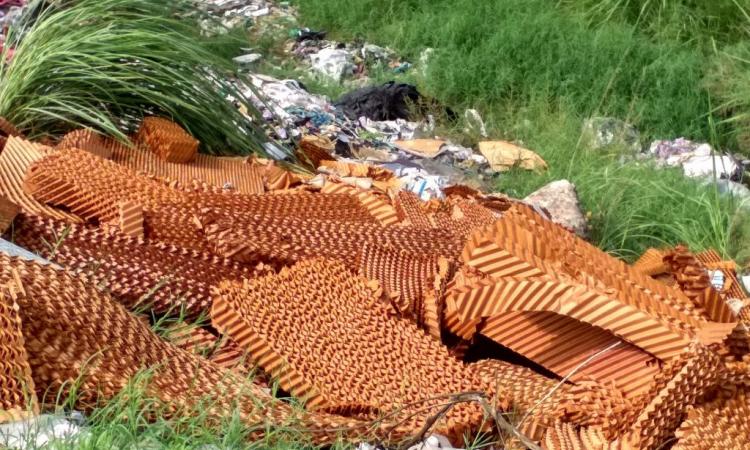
602, 132
696, 159
424, 148
390, 101
560, 199
38, 432
503, 156
333, 63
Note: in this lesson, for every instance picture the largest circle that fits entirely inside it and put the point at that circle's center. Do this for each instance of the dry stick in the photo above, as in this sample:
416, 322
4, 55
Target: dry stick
565, 379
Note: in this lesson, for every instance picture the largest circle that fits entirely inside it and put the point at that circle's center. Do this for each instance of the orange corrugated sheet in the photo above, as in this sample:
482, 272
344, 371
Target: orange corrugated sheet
15, 159
137, 273
167, 140
8, 213
717, 425
327, 337
73, 332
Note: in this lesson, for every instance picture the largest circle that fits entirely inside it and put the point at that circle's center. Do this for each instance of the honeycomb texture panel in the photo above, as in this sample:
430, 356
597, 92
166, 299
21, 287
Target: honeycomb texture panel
17, 394
167, 140
15, 159
719, 424
69, 327
313, 320
131, 219
89, 140
136, 272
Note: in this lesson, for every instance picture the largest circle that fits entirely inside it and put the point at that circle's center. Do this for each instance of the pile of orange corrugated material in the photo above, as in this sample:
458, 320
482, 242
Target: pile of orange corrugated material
387, 316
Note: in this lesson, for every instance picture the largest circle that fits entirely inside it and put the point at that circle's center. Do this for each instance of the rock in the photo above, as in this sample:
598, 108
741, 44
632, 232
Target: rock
248, 59
560, 199
37, 432
333, 63
601, 132
474, 123
738, 190
708, 165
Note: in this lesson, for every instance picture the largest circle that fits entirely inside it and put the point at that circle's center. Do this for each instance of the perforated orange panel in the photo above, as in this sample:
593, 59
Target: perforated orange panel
17, 394
167, 140
328, 338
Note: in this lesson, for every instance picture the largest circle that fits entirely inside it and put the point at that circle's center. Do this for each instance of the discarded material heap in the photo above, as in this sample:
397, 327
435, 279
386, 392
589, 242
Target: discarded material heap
365, 302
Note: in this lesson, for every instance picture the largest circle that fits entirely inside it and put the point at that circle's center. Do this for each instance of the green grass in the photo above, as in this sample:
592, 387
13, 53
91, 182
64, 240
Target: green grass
536, 69
106, 63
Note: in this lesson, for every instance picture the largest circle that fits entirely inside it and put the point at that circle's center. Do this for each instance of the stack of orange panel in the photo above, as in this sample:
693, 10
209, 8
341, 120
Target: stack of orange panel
17, 394
167, 140
326, 335
170, 279
74, 332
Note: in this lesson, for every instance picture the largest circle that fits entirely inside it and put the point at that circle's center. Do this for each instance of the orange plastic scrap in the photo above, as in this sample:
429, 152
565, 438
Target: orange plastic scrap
499, 296
652, 263
410, 210
277, 178
168, 278
692, 278
8, 213
402, 275
93, 187
17, 156
541, 402
573, 349
381, 210
89, 140
315, 149
167, 140
712, 261
684, 381
717, 425
328, 337
346, 169
17, 394
577, 255
237, 174
566, 436
76, 335
131, 219
295, 239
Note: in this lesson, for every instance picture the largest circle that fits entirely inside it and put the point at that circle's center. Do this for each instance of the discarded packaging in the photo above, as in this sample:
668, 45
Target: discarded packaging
503, 156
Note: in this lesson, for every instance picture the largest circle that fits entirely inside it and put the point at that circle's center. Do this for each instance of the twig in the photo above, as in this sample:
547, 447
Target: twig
565, 379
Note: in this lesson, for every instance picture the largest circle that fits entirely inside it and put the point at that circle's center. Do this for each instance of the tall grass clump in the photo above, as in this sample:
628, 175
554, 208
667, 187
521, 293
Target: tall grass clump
107, 63
696, 21
495, 55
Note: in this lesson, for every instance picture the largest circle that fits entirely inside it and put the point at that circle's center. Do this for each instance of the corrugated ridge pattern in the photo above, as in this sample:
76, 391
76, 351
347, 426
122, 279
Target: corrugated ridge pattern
17, 393
15, 159
134, 271
239, 173
167, 140
318, 328
652, 262
131, 219
409, 209
718, 425
68, 324
506, 295
560, 344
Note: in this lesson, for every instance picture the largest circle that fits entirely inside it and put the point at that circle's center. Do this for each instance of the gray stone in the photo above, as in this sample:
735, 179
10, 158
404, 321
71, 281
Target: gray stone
602, 132
560, 199
248, 59
37, 432
333, 63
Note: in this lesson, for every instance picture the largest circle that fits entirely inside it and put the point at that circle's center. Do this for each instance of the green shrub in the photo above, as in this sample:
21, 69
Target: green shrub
106, 63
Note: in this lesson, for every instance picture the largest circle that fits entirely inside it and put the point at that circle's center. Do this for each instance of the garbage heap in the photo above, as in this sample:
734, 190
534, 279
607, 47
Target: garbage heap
387, 316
